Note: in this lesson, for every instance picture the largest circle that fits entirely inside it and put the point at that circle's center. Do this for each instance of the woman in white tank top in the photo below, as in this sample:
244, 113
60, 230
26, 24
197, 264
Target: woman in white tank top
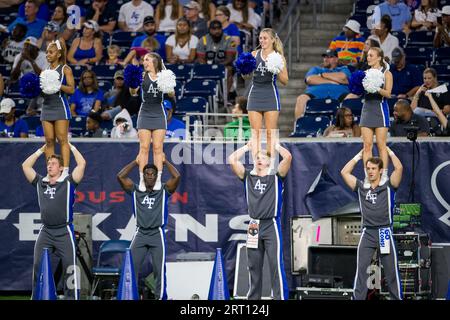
167, 14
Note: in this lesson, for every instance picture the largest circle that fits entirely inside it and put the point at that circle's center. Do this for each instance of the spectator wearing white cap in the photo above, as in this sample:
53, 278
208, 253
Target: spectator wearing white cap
442, 35
29, 60
132, 14
34, 24
51, 32
167, 14
87, 49
426, 16
192, 11
350, 45
10, 126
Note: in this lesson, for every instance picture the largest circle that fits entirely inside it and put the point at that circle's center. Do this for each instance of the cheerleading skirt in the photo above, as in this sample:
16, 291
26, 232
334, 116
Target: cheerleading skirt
263, 97
375, 114
151, 120
55, 107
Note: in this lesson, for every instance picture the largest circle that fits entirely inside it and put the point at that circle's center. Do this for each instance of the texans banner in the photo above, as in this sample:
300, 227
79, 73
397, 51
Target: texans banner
208, 210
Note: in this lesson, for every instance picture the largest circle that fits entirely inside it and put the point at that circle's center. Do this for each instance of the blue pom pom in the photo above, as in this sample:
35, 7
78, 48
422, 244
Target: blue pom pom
132, 75
355, 82
29, 85
245, 63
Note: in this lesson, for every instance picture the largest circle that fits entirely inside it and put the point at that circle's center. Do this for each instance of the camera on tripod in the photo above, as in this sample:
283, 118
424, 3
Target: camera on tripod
411, 132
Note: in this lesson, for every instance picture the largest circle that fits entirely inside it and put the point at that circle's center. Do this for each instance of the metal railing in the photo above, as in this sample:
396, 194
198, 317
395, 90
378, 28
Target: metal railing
291, 21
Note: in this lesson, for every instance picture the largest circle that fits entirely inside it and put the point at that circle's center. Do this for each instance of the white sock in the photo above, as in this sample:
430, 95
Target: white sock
158, 181
141, 182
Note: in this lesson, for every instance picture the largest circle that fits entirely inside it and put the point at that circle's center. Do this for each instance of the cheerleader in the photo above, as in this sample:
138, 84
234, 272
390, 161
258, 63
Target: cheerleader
55, 113
152, 118
375, 111
263, 98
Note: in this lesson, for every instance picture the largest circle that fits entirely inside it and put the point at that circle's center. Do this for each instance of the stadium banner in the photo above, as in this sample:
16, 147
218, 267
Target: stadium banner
208, 210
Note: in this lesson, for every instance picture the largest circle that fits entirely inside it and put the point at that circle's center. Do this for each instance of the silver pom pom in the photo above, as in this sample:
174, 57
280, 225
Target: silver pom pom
275, 62
166, 81
373, 81
49, 80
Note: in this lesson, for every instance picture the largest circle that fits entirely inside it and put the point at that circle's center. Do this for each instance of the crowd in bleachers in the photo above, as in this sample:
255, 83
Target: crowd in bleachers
415, 38
198, 40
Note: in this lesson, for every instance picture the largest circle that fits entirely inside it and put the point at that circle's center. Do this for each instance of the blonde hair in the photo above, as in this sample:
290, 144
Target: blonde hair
380, 53
115, 48
277, 45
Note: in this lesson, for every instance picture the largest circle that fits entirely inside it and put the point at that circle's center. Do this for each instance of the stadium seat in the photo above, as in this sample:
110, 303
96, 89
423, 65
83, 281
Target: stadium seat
32, 122
322, 106
310, 126
442, 55
391, 102
21, 104
179, 90
14, 90
208, 71
104, 85
106, 39
203, 88
124, 38
442, 69
77, 126
420, 38
5, 70
104, 71
77, 71
109, 260
183, 72
360, 6
401, 36
419, 56
192, 104
354, 104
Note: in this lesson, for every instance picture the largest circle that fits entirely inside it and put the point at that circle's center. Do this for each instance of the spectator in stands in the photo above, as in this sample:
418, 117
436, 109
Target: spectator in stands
87, 97
10, 126
113, 55
239, 111
43, 10
350, 45
181, 46
444, 120
198, 25
35, 26
327, 81
123, 126
50, 33
412, 4
29, 60
230, 29
125, 99
383, 35
93, 129
104, 14
110, 96
243, 16
175, 128
405, 117
362, 64
166, 15
207, 9
407, 77
442, 35
34, 107
217, 48
441, 94
397, 11
13, 45
345, 126
87, 49
60, 17
425, 17
132, 14
153, 41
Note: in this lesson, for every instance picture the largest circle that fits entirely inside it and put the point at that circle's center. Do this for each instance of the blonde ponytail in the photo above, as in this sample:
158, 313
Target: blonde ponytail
277, 45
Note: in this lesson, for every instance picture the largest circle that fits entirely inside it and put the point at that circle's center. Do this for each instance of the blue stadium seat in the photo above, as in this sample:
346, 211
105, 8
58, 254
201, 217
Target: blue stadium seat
106, 39
360, 6
179, 90
361, 18
310, 126
354, 104
134, 119
208, 71
391, 102
124, 38
154, 3
32, 122
442, 3
192, 104
14, 90
104, 85
104, 71
108, 125
183, 72
203, 88
6, 19
442, 69
5, 70
442, 55
77, 71
77, 126
401, 36
420, 38
322, 106
21, 104
419, 56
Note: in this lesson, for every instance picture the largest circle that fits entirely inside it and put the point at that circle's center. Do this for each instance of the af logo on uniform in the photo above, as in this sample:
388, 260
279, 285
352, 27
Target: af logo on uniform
260, 186
153, 90
149, 201
372, 197
51, 191
261, 68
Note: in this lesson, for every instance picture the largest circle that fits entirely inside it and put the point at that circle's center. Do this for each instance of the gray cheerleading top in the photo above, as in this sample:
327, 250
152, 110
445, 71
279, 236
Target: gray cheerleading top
376, 205
150, 208
55, 106
263, 94
152, 114
375, 110
55, 201
264, 195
